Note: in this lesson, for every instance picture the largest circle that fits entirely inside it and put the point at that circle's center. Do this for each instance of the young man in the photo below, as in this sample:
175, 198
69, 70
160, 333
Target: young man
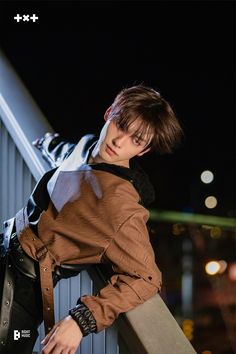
89, 209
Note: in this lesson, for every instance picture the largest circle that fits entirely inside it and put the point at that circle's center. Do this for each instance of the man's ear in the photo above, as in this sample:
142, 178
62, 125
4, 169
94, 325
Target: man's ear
106, 114
144, 151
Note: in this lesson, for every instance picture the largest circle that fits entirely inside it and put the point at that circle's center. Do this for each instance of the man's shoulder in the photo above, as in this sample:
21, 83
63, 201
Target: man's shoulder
121, 202
120, 195
116, 187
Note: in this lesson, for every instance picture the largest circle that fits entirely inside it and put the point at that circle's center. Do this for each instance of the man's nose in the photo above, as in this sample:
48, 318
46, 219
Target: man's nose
119, 140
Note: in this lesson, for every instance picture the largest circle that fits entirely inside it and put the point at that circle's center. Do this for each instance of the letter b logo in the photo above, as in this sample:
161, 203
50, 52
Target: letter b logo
16, 334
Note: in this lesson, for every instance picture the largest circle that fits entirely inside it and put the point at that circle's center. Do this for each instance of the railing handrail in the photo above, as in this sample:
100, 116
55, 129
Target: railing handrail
18, 110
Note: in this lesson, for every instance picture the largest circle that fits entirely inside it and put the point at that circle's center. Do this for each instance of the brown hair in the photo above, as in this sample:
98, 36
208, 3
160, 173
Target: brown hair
157, 116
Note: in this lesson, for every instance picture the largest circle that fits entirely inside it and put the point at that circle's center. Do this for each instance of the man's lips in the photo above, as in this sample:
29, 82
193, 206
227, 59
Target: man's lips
110, 151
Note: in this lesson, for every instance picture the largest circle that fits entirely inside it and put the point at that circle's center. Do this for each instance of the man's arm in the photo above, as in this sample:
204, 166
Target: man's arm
136, 279
53, 148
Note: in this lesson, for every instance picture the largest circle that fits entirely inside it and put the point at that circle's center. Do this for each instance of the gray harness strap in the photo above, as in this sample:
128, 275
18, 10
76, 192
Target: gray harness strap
21, 220
7, 231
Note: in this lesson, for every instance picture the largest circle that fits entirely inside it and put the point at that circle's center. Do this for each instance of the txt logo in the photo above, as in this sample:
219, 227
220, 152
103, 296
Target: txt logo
16, 334
26, 18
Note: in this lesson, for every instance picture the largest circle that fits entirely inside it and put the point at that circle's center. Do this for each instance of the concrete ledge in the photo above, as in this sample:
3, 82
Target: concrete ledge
153, 330
150, 328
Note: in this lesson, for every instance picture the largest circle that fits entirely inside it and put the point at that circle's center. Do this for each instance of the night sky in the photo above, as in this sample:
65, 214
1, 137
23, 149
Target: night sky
81, 54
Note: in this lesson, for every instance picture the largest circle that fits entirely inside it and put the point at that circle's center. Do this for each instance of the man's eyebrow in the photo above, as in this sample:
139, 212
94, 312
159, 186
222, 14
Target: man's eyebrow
136, 133
139, 137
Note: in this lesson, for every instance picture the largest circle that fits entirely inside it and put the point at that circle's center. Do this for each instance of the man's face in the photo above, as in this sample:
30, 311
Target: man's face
116, 146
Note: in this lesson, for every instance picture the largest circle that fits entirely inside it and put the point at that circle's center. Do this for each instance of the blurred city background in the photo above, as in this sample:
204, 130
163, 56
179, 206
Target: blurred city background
74, 67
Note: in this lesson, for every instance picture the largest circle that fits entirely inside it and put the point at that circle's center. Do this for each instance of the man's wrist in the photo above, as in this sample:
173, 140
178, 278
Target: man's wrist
84, 318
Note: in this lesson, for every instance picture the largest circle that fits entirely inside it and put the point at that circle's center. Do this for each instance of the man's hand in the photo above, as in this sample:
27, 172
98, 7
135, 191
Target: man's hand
65, 338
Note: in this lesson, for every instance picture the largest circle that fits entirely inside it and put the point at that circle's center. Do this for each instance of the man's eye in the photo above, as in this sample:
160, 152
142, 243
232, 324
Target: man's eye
136, 141
120, 126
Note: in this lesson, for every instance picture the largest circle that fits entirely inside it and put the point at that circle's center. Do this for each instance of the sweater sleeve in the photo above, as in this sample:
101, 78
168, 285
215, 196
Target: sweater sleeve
136, 276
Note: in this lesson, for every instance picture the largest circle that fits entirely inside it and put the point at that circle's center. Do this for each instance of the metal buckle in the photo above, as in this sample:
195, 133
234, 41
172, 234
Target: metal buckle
41, 253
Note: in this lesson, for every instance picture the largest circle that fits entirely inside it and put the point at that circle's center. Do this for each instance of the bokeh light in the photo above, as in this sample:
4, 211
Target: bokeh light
211, 202
207, 176
212, 267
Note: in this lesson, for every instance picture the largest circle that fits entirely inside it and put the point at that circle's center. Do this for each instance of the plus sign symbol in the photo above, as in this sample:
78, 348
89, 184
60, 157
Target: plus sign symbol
26, 18
34, 18
18, 18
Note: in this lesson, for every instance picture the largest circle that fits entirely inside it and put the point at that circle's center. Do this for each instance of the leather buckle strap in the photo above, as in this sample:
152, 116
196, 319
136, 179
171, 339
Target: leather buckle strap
47, 293
35, 248
6, 305
40, 254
